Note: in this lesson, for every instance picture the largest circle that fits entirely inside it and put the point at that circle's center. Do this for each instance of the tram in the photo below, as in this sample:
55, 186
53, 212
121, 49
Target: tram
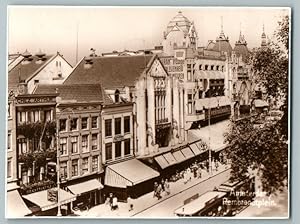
228, 200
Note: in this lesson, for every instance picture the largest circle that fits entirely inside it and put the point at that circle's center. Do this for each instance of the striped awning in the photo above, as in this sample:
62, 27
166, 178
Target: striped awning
16, 207
195, 149
128, 173
162, 162
187, 152
179, 156
170, 158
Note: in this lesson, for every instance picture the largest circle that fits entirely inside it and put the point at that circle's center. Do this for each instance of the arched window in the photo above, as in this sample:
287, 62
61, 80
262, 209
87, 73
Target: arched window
206, 67
217, 67
200, 67
117, 96
212, 67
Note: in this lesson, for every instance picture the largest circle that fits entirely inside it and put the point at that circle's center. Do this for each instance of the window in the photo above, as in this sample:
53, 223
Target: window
9, 169
63, 146
84, 123
34, 116
22, 145
84, 143
190, 103
127, 124
94, 141
118, 149
64, 170
108, 151
73, 124
218, 67
36, 81
62, 124
108, 131
117, 126
47, 115
9, 141
74, 144
206, 67
189, 75
22, 116
94, 163
211, 67
94, 122
85, 165
200, 94
127, 147
200, 67
74, 167
117, 96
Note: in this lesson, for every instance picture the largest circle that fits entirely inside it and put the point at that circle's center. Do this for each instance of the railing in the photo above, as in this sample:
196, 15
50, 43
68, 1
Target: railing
161, 121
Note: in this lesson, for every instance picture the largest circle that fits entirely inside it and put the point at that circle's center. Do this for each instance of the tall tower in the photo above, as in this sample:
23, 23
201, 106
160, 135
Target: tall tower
263, 38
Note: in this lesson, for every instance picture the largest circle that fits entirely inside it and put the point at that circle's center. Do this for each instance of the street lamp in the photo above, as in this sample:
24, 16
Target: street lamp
58, 159
209, 148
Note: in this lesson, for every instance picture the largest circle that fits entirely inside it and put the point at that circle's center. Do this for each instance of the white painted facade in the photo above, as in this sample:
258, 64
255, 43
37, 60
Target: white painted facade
54, 72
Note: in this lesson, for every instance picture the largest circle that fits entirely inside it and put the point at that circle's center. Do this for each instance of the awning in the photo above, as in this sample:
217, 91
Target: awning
128, 173
215, 133
170, 158
179, 156
187, 152
162, 162
195, 149
86, 186
40, 199
211, 102
201, 74
260, 103
16, 207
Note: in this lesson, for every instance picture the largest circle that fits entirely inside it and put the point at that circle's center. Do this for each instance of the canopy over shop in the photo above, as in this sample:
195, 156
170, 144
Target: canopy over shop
16, 207
46, 201
129, 178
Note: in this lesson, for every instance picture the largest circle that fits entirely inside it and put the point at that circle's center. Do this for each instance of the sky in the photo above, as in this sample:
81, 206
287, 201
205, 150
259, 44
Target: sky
105, 29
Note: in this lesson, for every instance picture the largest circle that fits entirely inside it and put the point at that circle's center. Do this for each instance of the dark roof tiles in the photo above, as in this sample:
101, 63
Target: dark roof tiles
110, 72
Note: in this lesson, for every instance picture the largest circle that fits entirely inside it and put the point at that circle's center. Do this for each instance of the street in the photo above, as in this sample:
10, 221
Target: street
167, 207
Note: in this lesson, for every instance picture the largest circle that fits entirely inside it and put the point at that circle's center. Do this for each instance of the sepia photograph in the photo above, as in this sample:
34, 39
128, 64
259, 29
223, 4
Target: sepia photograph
148, 112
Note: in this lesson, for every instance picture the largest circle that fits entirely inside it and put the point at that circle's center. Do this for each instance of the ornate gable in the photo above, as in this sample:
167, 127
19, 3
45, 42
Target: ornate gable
157, 69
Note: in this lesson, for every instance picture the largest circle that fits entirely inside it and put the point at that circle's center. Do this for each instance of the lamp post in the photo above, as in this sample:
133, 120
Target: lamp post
209, 148
58, 159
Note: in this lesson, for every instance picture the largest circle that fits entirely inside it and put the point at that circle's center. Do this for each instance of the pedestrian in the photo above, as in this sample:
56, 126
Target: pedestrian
162, 185
110, 200
167, 187
189, 174
195, 168
158, 192
155, 189
114, 203
130, 204
217, 164
199, 172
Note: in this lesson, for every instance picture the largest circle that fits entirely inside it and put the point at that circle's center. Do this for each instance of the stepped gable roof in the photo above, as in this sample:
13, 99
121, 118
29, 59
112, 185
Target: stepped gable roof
76, 92
110, 72
25, 69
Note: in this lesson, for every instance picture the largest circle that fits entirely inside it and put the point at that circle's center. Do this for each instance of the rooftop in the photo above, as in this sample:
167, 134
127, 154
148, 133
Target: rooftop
79, 93
110, 72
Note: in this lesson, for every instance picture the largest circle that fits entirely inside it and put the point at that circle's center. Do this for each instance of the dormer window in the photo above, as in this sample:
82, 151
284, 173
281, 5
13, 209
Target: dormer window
117, 96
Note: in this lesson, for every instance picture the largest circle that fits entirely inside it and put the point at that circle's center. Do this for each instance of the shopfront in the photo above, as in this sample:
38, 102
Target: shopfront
129, 178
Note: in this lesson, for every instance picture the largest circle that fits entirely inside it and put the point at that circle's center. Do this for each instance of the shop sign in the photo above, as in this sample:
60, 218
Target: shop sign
52, 195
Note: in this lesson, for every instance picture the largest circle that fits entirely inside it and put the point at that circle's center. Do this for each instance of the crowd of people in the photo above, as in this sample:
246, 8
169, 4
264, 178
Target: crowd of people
161, 188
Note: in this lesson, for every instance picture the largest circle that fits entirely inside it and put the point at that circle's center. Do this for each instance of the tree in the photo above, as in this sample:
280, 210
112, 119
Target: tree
256, 143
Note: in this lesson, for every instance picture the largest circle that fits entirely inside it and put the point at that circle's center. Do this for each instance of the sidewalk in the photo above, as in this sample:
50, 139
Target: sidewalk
146, 201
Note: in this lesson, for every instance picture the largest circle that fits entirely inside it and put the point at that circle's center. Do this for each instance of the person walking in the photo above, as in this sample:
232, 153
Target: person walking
130, 204
158, 192
163, 185
167, 187
155, 189
115, 203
